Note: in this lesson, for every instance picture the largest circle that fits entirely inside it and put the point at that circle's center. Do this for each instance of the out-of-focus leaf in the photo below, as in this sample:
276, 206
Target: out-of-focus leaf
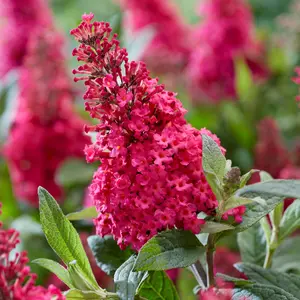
84, 214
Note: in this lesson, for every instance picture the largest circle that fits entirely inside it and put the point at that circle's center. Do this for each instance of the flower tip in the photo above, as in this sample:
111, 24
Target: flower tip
87, 17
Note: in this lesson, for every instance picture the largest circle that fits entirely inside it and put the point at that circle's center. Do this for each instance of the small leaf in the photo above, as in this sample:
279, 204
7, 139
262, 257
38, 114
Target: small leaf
228, 166
84, 214
290, 220
213, 227
126, 280
158, 286
55, 268
75, 294
234, 201
213, 161
287, 282
238, 282
265, 176
252, 245
261, 292
62, 236
108, 255
168, 250
246, 177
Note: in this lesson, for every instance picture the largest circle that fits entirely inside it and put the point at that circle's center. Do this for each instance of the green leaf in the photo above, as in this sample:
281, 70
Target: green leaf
75, 172
290, 220
168, 250
75, 294
238, 282
158, 286
286, 255
213, 163
185, 283
246, 177
234, 201
214, 227
273, 192
55, 268
84, 214
261, 292
108, 255
252, 245
126, 280
62, 236
265, 176
289, 283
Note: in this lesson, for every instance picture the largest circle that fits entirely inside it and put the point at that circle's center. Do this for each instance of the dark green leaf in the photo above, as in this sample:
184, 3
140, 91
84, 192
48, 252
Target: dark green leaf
158, 286
168, 250
289, 283
62, 236
126, 280
107, 253
290, 220
252, 245
55, 268
238, 282
261, 292
85, 214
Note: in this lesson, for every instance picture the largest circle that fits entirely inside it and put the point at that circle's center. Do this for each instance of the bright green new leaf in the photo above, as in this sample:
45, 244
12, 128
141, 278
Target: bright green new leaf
62, 236
108, 255
85, 214
75, 294
168, 250
214, 227
252, 245
290, 220
126, 280
288, 282
158, 286
55, 268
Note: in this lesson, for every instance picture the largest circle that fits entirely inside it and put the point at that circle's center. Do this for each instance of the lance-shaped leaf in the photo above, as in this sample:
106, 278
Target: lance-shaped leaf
288, 282
214, 227
168, 250
87, 213
62, 236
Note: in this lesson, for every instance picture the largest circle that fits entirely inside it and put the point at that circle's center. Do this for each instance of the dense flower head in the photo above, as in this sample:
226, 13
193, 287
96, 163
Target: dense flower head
270, 153
46, 130
16, 280
151, 176
18, 20
225, 35
171, 42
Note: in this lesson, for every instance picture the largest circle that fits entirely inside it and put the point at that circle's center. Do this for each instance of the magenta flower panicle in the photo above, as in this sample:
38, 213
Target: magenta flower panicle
150, 178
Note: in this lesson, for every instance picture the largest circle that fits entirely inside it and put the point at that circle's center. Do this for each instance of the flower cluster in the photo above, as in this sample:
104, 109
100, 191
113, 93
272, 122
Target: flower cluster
16, 280
225, 34
169, 48
151, 176
46, 130
18, 20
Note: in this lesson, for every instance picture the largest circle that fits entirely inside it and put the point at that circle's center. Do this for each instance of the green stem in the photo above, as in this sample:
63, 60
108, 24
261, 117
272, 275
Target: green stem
268, 259
210, 260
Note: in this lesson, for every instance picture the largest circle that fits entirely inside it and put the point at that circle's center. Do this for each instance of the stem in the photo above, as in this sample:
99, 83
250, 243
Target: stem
199, 274
210, 260
268, 259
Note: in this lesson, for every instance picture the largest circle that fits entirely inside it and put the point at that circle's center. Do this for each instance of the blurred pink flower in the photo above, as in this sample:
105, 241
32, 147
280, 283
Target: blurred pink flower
227, 33
46, 130
16, 280
18, 20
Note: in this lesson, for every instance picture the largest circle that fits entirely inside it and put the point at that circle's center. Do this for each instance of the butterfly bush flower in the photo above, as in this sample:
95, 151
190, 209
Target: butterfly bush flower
16, 280
169, 49
46, 130
150, 177
18, 19
225, 34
